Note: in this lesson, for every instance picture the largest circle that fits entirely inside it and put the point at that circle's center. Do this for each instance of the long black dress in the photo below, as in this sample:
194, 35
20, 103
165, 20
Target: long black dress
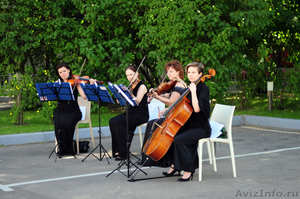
137, 115
65, 117
150, 128
183, 151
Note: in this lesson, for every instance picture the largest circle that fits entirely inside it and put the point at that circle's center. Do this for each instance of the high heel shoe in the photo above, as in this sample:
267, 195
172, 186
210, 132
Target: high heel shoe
187, 179
170, 174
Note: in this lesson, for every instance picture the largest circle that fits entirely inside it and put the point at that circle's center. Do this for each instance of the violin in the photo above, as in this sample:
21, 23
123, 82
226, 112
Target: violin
164, 87
134, 84
75, 79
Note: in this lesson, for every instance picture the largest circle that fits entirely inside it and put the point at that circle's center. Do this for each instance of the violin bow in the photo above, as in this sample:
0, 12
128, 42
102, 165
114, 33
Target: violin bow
79, 74
136, 72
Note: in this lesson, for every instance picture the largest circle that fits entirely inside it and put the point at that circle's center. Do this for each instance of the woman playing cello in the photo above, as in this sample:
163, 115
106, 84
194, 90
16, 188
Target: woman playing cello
183, 151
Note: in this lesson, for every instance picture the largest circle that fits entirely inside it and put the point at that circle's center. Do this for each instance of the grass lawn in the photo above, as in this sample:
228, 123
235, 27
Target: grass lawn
37, 123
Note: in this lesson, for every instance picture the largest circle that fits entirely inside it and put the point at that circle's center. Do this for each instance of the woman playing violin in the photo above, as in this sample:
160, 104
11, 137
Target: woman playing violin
67, 113
183, 151
137, 115
175, 72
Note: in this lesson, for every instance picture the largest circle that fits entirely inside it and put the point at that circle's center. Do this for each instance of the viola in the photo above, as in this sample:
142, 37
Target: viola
75, 79
177, 115
164, 87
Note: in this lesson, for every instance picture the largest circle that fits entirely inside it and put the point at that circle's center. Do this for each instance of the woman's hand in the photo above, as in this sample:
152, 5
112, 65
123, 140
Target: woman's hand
161, 112
92, 81
192, 87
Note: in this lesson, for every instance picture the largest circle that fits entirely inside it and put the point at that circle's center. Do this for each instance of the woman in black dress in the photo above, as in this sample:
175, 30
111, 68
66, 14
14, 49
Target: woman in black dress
137, 115
174, 71
183, 151
67, 113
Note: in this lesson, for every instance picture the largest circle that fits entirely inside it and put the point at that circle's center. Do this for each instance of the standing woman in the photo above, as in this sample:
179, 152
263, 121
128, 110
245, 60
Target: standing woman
174, 71
183, 151
137, 115
67, 113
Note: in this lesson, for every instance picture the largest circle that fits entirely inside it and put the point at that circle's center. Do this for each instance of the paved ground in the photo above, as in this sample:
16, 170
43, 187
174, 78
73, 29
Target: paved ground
267, 167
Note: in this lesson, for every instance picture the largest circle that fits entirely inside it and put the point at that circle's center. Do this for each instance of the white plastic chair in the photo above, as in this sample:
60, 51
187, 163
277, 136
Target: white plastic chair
222, 114
153, 111
86, 119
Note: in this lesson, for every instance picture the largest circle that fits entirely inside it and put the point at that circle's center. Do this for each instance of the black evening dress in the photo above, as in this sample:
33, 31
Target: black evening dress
183, 151
137, 115
65, 117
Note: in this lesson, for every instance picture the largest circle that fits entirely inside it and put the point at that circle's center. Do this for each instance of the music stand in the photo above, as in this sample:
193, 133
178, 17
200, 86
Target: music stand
124, 97
55, 92
100, 94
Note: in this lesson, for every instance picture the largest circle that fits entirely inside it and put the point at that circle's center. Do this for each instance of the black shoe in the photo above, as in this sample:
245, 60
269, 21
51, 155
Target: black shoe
170, 174
119, 159
139, 162
187, 179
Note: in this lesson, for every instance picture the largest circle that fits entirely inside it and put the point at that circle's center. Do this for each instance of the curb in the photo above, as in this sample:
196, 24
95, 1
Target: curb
84, 133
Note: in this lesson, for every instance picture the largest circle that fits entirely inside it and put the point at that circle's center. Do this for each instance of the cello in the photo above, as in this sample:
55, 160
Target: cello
177, 115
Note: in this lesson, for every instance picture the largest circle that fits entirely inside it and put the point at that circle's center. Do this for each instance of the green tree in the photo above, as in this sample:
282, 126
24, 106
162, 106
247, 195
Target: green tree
282, 40
213, 32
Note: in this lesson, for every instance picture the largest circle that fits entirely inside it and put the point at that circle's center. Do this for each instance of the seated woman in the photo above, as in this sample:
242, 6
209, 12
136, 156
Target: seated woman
174, 71
183, 152
67, 113
137, 115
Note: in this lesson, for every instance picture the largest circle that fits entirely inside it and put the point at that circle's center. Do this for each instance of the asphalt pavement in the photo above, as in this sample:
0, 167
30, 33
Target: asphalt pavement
267, 163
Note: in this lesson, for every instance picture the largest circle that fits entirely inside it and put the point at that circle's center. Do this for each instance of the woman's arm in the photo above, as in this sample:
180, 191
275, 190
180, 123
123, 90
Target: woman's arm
81, 92
174, 97
195, 101
140, 93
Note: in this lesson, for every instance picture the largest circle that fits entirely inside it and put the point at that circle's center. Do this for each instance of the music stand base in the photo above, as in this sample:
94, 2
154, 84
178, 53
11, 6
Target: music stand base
129, 164
101, 157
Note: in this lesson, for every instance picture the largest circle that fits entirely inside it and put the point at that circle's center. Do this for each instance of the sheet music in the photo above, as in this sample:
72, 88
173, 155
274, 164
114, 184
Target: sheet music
52, 91
124, 95
83, 111
96, 92
215, 129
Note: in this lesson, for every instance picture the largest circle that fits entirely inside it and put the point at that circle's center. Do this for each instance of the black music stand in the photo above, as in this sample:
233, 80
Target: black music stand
97, 93
55, 92
124, 97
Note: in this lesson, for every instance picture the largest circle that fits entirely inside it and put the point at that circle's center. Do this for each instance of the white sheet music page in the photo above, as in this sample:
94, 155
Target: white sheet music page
123, 94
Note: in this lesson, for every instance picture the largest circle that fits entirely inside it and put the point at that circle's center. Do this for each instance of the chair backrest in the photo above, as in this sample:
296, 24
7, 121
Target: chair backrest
87, 104
153, 108
223, 114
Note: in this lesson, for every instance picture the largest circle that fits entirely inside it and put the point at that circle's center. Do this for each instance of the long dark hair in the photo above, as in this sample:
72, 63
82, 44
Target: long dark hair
60, 65
133, 68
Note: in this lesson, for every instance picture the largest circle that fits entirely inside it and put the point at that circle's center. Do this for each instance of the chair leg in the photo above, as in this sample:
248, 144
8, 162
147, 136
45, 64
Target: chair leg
200, 145
213, 155
209, 151
141, 137
55, 145
77, 139
232, 158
